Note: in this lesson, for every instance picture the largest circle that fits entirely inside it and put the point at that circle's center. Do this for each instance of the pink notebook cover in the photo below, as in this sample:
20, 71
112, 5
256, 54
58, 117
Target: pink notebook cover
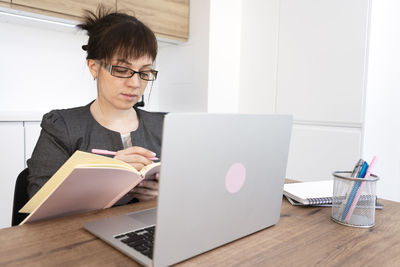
86, 189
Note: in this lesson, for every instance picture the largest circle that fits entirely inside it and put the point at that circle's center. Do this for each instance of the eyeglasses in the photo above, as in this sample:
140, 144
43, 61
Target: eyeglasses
124, 72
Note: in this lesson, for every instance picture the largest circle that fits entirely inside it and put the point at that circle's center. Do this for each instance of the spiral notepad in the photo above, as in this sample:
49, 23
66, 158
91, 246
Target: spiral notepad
310, 193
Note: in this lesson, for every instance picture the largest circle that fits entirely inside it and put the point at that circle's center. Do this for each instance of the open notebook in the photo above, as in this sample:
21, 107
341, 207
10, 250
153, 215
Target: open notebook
85, 182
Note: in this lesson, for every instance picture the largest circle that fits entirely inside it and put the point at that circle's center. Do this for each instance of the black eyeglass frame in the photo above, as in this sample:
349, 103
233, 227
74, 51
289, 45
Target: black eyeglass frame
142, 74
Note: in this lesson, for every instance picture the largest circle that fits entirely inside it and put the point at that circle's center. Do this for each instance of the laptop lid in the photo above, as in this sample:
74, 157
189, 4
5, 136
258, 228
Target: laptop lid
222, 178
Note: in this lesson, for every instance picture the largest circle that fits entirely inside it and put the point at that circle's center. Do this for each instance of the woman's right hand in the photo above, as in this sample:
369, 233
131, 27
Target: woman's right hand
136, 156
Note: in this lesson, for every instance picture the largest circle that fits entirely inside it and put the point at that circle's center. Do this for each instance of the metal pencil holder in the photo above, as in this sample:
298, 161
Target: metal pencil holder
354, 199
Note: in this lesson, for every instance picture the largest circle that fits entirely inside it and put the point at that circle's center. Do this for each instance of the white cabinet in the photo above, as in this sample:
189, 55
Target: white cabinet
17, 142
12, 159
32, 132
318, 151
322, 58
308, 58
321, 70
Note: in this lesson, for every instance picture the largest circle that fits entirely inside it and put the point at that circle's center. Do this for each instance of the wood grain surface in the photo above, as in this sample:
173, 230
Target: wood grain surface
167, 18
73, 8
304, 236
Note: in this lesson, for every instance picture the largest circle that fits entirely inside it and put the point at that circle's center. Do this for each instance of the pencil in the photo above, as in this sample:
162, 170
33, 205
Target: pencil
112, 153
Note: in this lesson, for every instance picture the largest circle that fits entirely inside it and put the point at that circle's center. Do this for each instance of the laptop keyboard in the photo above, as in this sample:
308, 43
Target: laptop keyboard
141, 240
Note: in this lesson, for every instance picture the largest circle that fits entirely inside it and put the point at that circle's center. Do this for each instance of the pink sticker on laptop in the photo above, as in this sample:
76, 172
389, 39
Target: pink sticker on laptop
235, 177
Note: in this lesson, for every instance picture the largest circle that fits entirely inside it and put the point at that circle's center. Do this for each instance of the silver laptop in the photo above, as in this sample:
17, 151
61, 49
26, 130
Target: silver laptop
221, 178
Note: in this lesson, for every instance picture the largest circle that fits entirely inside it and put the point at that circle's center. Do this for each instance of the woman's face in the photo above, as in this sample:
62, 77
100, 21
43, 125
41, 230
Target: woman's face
121, 93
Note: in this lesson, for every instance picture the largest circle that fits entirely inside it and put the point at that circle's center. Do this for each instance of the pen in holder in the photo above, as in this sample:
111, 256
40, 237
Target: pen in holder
354, 199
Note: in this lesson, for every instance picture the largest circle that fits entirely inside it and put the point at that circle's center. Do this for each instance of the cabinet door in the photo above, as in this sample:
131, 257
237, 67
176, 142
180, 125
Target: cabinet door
322, 59
317, 151
12, 162
32, 132
167, 18
5, 3
68, 7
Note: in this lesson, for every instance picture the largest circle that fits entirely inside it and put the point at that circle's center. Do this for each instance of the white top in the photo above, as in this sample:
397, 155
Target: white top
126, 140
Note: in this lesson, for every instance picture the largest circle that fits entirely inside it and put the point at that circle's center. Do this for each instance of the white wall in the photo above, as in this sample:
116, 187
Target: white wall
382, 123
224, 55
258, 56
42, 67
183, 68
51, 71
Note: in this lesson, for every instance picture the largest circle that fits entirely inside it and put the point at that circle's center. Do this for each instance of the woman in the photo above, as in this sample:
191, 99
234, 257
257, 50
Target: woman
120, 55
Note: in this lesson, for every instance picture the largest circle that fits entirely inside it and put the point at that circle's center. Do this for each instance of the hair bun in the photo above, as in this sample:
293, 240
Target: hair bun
112, 33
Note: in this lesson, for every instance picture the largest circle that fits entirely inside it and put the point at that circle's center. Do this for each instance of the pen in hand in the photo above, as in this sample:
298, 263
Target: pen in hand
112, 153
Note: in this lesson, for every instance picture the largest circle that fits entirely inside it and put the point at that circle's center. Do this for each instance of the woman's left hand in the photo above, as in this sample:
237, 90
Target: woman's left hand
147, 189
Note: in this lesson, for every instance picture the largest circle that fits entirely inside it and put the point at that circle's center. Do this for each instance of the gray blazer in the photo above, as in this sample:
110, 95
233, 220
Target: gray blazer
65, 131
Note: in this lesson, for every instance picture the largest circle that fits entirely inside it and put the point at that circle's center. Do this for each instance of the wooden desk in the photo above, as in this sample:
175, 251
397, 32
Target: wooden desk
303, 237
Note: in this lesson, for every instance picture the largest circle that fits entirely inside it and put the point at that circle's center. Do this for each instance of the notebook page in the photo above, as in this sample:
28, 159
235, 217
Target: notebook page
315, 189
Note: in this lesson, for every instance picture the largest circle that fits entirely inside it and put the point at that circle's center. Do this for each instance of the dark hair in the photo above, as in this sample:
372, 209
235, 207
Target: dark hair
113, 33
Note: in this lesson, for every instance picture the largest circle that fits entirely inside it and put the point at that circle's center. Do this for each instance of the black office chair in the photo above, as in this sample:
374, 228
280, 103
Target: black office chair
20, 197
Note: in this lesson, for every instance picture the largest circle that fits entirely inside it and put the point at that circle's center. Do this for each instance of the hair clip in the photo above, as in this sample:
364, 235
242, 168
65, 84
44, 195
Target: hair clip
85, 47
